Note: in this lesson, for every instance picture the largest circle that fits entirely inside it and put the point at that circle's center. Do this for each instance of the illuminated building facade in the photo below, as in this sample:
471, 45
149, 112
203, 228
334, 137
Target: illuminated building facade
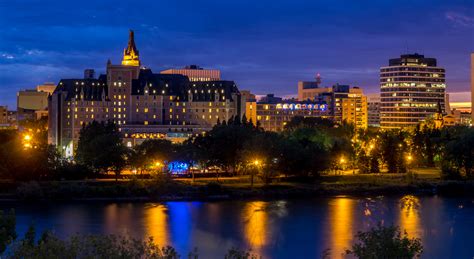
373, 110
411, 88
344, 103
33, 103
3, 115
143, 104
354, 110
196, 73
273, 113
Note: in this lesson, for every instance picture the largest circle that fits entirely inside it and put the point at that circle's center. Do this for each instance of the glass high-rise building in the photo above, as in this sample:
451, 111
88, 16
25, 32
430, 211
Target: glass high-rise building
411, 87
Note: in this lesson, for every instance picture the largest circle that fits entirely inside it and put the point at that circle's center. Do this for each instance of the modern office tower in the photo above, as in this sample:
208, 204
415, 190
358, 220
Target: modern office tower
273, 113
472, 86
334, 97
412, 87
196, 73
143, 104
373, 110
89, 73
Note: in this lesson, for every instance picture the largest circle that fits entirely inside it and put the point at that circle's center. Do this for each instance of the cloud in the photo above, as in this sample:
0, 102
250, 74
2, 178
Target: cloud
460, 19
7, 56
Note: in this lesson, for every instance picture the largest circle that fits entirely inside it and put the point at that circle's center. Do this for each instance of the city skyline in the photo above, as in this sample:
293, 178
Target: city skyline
270, 55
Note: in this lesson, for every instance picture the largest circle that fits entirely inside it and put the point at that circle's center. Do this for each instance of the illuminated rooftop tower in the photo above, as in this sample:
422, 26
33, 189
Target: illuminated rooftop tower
130, 54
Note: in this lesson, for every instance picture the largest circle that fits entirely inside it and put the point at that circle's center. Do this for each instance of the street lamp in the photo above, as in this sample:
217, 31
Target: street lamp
27, 138
342, 161
158, 165
256, 163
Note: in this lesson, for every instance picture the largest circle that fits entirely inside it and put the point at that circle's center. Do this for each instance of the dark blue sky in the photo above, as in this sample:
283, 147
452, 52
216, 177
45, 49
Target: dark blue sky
265, 46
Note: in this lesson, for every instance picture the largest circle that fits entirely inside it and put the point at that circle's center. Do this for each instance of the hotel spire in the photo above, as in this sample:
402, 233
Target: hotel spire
130, 54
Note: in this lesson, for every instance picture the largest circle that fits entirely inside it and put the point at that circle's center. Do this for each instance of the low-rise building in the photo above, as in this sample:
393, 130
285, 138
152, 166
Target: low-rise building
195, 73
273, 113
337, 97
33, 103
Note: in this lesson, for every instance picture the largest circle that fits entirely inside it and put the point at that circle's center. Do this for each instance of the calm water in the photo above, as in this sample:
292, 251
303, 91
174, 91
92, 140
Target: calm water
274, 229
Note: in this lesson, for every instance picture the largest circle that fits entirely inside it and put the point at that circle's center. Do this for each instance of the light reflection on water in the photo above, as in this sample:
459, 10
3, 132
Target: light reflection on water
341, 225
157, 224
410, 216
274, 229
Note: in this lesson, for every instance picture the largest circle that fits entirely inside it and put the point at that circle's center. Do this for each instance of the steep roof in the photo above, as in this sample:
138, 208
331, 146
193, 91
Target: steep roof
84, 89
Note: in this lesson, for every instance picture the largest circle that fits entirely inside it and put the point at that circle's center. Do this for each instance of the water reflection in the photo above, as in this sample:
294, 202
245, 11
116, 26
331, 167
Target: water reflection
156, 218
341, 223
409, 216
255, 218
273, 229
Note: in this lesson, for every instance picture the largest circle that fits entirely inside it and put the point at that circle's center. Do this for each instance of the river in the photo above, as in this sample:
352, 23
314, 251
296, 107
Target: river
300, 228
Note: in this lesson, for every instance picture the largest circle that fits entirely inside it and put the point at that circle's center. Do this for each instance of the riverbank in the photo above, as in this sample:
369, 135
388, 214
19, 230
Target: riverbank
165, 189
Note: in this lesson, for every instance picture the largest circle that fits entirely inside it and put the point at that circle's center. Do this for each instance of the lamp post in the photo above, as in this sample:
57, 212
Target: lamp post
27, 138
256, 163
342, 161
409, 161
158, 165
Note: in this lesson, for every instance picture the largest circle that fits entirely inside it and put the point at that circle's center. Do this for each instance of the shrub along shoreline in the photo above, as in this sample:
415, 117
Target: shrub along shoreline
170, 190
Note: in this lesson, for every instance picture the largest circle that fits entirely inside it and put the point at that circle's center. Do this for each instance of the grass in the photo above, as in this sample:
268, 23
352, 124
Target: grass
416, 181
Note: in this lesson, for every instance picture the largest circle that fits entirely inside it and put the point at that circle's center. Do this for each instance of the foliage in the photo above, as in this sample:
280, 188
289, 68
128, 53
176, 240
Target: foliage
426, 143
7, 229
24, 164
151, 151
394, 150
78, 246
385, 242
100, 147
234, 253
89, 246
459, 151
224, 142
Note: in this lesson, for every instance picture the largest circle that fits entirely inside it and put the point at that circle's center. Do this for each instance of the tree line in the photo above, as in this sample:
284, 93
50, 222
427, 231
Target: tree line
307, 147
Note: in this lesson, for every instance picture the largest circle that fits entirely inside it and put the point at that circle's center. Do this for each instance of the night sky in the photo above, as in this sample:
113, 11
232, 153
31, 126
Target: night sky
265, 46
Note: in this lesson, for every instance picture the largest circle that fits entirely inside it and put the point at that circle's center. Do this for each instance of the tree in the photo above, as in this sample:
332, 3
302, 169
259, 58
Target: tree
222, 144
305, 152
459, 150
152, 151
309, 122
7, 229
426, 144
394, 150
100, 147
35, 162
385, 242
261, 154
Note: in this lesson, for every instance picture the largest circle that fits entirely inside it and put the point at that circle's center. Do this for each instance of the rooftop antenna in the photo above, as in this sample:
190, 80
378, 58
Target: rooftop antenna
318, 79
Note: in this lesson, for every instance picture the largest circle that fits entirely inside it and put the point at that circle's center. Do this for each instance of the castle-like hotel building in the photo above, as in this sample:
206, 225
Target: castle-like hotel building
143, 104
